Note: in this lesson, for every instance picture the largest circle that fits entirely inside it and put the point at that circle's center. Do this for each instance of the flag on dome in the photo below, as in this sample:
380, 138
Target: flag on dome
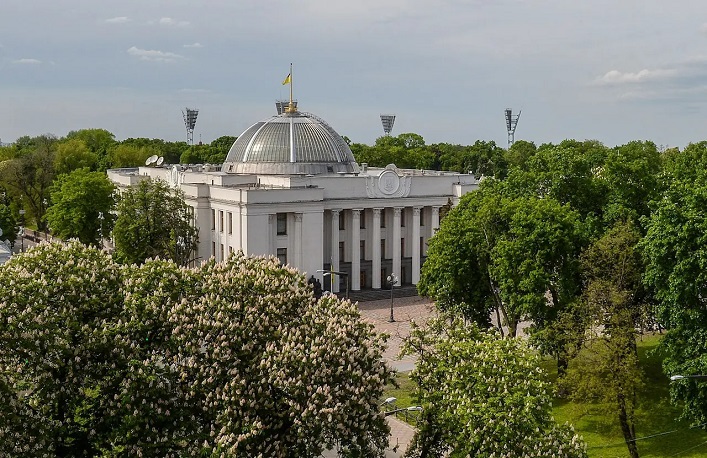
288, 80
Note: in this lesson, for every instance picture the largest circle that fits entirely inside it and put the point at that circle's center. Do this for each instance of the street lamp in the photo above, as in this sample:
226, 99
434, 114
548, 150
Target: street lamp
326, 273
680, 377
393, 280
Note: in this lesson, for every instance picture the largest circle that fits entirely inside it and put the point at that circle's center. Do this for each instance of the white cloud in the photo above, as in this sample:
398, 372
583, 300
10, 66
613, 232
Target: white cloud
27, 61
118, 20
173, 22
642, 76
154, 55
194, 45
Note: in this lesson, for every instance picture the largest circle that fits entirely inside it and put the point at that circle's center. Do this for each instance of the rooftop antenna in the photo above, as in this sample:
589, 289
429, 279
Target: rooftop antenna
388, 120
160, 161
152, 159
190, 122
511, 123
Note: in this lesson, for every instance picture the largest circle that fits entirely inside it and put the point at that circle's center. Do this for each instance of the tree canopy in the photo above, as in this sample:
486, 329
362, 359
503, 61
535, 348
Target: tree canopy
154, 221
82, 206
228, 359
483, 396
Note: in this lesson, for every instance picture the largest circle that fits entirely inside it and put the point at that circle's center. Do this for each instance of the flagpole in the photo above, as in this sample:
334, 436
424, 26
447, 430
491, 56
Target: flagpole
292, 106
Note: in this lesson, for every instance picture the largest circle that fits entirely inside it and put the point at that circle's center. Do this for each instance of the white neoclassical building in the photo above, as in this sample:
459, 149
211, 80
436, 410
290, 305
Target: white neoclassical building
290, 187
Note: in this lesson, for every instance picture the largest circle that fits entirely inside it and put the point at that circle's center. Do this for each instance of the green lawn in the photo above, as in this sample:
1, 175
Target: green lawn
602, 433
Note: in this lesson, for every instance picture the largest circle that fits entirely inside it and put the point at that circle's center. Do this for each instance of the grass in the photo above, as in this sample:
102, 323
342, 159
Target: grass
655, 415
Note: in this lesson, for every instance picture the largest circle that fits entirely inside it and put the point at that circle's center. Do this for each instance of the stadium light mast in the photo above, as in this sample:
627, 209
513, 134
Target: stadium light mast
190, 122
511, 123
388, 120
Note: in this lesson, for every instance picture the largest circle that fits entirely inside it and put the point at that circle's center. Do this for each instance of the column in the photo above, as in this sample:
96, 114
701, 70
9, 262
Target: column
355, 250
272, 230
415, 245
335, 248
376, 247
434, 225
297, 242
396, 242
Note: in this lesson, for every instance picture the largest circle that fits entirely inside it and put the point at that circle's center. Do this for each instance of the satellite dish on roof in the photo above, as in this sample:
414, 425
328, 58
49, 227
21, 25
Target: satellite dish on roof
160, 160
151, 160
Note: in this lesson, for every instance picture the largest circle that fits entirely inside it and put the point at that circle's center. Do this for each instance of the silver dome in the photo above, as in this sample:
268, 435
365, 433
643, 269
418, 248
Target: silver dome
290, 143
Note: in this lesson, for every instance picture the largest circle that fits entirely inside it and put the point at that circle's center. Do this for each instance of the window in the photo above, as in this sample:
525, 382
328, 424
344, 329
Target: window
383, 217
382, 248
220, 221
282, 224
402, 217
422, 246
230, 250
363, 279
342, 251
213, 249
230, 223
363, 219
213, 222
422, 217
282, 255
363, 249
402, 248
222, 252
342, 221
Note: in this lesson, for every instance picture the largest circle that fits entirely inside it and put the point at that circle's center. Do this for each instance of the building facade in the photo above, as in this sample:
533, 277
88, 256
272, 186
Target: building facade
290, 188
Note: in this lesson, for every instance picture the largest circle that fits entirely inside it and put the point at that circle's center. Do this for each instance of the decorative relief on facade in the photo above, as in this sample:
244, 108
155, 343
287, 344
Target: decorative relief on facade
390, 183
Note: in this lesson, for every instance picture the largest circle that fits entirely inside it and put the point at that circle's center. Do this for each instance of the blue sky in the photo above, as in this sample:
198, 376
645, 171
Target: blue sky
614, 71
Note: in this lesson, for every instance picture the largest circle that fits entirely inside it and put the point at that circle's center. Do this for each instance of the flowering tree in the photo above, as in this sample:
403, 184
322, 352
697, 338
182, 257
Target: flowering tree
483, 396
230, 359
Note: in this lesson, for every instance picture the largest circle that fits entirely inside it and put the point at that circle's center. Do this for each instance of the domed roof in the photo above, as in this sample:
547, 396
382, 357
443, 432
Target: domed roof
290, 143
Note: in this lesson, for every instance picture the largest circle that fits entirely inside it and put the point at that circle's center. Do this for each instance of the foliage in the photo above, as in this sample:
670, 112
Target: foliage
154, 221
74, 154
57, 305
82, 206
483, 396
127, 155
230, 359
8, 224
675, 250
493, 252
608, 371
29, 176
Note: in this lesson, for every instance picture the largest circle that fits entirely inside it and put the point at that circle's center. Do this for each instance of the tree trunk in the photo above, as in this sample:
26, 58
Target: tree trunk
627, 428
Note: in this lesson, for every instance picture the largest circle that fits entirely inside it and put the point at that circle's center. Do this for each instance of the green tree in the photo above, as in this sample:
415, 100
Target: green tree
607, 372
74, 154
154, 221
29, 176
675, 250
82, 206
493, 252
8, 225
482, 396
158, 360
126, 155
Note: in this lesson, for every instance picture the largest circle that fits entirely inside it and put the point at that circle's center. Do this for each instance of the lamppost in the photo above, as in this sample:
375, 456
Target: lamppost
100, 229
326, 273
680, 377
393, 280
22, 229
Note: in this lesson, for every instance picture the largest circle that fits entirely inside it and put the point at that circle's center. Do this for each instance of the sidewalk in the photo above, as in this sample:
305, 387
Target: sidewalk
405, 310
400, 437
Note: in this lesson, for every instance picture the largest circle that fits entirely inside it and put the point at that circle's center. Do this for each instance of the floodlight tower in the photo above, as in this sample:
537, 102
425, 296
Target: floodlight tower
511, 123
190, 122
388, 120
